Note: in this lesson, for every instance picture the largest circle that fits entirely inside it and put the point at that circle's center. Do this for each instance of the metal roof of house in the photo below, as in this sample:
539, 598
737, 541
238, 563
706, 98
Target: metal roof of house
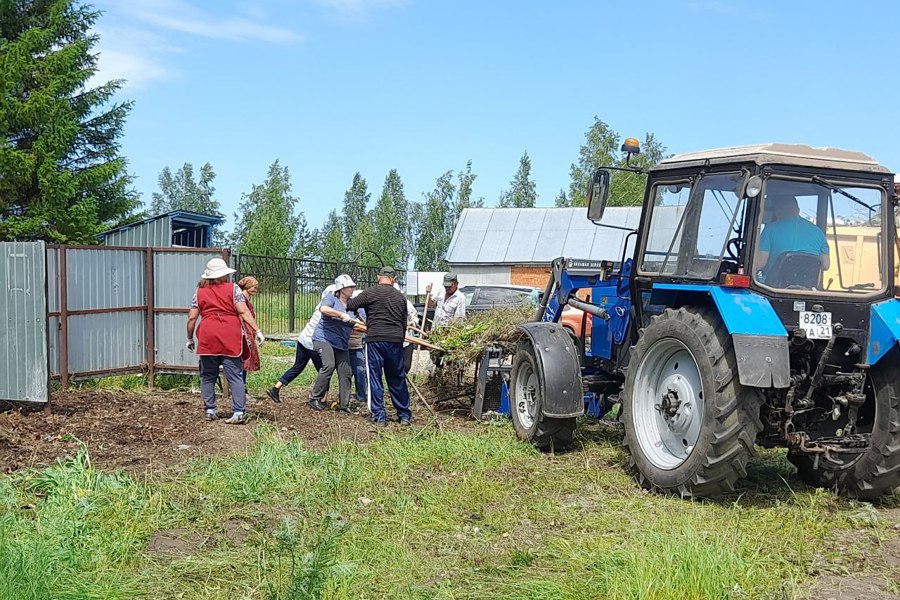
782, 154
185, 216
519, 236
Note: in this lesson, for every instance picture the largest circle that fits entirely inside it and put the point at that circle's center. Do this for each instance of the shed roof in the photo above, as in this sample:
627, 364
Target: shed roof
184, 216
519, 236
783, 154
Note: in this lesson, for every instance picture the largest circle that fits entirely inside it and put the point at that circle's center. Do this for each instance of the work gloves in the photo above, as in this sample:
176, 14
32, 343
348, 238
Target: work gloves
346, 318
190, 345
260, 338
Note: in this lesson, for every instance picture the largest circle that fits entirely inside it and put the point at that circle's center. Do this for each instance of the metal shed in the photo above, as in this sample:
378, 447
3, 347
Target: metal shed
516, 245
178, 229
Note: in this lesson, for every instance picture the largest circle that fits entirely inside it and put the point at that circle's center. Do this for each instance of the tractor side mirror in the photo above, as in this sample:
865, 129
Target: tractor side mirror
598, 194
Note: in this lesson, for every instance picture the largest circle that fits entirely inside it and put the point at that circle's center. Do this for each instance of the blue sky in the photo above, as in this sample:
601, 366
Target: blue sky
332, 87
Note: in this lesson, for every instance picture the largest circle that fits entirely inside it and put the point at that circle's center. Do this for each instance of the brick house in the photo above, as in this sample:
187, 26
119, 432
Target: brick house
515, 245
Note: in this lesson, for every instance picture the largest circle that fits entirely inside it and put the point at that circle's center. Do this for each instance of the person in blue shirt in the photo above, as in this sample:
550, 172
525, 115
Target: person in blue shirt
789, 232
331, 341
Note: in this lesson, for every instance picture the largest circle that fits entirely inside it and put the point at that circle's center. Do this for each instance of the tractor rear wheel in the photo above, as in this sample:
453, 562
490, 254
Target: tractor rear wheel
690, 426
876, 472
527, 405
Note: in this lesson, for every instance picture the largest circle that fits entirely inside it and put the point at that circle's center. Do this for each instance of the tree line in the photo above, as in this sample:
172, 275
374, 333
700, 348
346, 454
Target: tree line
63, 179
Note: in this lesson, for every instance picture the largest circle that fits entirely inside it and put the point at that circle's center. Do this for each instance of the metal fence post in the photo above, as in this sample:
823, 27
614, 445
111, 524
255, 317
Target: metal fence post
292, 293
151, 318
63, 319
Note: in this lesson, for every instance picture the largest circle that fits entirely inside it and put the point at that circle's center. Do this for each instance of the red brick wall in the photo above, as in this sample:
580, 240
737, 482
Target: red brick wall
533, 276
537, 277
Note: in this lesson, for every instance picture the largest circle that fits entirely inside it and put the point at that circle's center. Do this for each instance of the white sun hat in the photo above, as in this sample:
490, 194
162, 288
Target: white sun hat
329, 290
216, 268
343, 281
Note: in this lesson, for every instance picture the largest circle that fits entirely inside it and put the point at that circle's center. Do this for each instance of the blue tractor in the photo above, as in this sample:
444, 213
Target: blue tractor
757, 307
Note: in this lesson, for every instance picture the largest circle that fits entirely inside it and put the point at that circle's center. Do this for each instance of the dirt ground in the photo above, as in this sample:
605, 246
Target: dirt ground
140, 431
143, 431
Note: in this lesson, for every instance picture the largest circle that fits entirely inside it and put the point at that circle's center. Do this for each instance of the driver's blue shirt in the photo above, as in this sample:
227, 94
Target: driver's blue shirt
794, 234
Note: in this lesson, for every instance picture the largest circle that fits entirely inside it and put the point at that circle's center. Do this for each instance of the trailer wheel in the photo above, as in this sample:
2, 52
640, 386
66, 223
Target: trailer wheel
876, 472
527, 404
690, 425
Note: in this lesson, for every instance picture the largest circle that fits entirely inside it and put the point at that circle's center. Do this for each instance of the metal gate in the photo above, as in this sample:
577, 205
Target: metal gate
24, 365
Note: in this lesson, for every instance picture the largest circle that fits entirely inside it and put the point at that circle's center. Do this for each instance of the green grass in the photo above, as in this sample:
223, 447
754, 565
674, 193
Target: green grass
417, 514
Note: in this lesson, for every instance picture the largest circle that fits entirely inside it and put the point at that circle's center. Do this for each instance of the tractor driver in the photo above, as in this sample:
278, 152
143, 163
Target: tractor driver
788, 232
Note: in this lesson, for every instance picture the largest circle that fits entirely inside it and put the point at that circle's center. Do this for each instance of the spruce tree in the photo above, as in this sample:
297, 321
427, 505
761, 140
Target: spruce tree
61, 176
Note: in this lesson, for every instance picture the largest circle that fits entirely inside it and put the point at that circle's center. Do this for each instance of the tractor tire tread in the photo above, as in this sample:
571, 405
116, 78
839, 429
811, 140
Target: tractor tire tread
736, 414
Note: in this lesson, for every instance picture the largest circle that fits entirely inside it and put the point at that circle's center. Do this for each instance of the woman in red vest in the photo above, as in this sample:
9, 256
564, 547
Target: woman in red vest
220, 336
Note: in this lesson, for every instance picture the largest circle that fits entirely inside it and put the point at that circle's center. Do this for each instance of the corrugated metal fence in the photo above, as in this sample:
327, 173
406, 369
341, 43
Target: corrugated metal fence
78, 312
23, 345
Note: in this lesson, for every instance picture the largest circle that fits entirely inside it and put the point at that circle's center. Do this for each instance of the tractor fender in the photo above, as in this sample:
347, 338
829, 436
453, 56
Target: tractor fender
884, 333
760, 339
559, 369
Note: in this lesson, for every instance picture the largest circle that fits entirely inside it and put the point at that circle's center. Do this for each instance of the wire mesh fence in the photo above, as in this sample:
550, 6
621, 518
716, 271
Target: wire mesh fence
290, 288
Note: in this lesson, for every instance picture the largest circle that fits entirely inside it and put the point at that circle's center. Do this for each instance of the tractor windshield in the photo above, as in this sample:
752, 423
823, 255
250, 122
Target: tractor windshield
820, 235
691, 224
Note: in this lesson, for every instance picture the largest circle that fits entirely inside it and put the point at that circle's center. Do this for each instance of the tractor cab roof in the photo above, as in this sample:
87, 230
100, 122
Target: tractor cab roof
776, 154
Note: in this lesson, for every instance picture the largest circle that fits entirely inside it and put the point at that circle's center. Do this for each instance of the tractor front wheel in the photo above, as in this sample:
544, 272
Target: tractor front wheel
690, 426
527, 405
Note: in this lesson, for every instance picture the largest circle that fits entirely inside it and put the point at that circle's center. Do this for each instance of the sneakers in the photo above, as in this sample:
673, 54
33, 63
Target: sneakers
236, 419
404, 422
210, 415
350, 410
273, 394
316, 404
378, 422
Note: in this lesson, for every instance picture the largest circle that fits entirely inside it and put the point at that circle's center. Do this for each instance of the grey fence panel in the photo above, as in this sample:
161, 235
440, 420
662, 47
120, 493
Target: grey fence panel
171, 353
175, 278
107, 343
54, 333
157, 234
23, 348
105, 278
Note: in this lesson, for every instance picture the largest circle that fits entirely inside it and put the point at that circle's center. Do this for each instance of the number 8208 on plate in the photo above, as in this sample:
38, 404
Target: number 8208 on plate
816, 325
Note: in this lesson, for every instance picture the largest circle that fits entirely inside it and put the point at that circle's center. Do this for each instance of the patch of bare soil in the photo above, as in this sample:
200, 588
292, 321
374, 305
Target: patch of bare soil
832, 587
138, 431
175, 542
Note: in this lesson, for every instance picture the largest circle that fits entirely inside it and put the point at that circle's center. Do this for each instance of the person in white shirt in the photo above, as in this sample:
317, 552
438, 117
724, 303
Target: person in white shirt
450, 302
305, 352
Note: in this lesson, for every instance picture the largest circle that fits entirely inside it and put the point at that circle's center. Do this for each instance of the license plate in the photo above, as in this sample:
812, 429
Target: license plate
817, 325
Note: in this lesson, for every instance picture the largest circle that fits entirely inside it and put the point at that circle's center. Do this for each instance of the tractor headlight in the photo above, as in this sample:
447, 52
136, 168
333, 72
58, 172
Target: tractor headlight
754, 186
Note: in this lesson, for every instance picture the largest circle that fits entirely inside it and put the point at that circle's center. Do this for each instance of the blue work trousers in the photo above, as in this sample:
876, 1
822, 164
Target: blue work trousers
360, 372
387, 357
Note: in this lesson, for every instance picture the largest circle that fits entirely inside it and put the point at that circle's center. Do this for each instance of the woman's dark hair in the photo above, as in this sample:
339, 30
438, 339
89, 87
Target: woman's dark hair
209, 282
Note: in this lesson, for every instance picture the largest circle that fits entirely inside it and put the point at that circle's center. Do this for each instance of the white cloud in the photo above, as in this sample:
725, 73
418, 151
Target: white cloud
130, 54
135, 35
178, 15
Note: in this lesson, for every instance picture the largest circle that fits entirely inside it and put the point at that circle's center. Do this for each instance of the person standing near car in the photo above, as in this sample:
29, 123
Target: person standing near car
386, 318
450, 303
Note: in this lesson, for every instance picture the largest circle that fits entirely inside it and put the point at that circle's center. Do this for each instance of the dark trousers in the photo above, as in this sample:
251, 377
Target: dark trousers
407, 358
333, 359
233, 367
387, 357
360, 373
301, 359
